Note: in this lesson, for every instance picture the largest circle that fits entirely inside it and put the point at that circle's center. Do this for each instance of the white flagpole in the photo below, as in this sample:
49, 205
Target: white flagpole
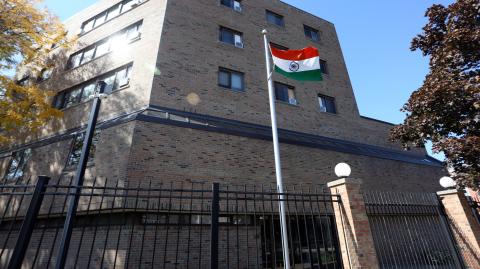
276, 149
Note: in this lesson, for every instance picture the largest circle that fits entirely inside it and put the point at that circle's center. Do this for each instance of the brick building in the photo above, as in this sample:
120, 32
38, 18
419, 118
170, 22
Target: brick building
188, 101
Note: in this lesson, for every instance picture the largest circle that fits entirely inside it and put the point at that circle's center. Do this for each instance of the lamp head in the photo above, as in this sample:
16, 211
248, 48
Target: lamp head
447, 182
343, 170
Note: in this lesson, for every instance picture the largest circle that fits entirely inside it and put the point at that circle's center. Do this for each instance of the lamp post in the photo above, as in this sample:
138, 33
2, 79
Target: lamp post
75, 190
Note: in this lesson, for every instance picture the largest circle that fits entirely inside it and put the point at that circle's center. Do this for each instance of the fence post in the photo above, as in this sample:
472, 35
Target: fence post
465, 228
28, 223
214, 226
356, 240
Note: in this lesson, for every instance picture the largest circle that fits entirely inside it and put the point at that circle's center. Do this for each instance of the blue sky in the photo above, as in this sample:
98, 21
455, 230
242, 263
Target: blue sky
375, 36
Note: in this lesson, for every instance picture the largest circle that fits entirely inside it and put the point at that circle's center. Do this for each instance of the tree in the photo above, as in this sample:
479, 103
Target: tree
27, 37
446, 108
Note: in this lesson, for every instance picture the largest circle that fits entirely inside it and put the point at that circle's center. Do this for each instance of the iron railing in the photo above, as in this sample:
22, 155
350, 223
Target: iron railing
410, 230
167, 225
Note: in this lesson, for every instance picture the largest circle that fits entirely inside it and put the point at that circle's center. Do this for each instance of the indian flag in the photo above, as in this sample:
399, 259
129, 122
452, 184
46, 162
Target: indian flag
298, 64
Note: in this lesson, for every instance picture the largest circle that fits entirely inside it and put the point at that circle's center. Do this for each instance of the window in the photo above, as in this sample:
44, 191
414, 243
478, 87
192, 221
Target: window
231, 79
88, 25
109, 14
327, 104
275, 18
24, 81
285, 93
323, 66
311, 33
129, 4
16, 167
79, 94
100, 19
76, 149
45, 74
277, 46
104, 46
88, 55
231, 37
233, 4
113, 12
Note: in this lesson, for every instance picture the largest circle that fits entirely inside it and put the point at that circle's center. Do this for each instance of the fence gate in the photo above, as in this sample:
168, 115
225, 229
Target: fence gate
249, 233
167, 225
411, 230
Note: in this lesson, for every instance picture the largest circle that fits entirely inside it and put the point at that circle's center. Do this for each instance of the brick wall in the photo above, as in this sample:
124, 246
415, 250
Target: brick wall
166, 153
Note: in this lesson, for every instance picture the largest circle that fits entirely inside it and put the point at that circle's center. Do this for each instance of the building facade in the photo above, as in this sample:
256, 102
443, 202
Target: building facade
188, 101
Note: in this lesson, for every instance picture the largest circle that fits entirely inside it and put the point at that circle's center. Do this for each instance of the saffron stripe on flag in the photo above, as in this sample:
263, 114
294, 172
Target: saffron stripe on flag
295, 55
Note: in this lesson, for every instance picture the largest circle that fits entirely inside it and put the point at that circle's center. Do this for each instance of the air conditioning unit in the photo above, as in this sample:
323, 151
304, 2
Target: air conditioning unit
137, 3
293, 101
237, 7
238, 41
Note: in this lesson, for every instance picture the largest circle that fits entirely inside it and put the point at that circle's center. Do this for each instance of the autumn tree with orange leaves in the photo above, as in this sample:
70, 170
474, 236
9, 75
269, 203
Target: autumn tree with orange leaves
446, 109
28, 34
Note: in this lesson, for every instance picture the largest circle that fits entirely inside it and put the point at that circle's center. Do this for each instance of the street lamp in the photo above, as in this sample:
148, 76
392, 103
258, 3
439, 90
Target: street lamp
447, 183
343, 170
74, 192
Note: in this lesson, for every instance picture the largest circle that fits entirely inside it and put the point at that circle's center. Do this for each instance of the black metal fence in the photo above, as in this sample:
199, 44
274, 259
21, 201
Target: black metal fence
411, 230
167, 225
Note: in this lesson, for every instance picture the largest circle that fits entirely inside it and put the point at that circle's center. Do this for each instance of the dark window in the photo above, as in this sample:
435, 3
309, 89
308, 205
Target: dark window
285, 93
311, 33
277, 46
76, 149
327, 104
233, 4
16, 167
275, 18
24, 81
323, 66
109, 14
231, 37
82, 92
106, 45
231, 79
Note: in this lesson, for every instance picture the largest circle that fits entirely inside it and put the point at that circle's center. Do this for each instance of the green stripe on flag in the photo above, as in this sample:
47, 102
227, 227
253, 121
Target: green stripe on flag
313, 75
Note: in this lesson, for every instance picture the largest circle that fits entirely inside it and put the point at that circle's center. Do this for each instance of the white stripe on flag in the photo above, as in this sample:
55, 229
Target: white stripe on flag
304, 65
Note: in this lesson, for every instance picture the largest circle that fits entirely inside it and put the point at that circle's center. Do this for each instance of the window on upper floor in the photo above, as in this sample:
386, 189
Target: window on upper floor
45, 74
311, 33
25, 81
233, 4
231, 37
275, 18
82, 93
18, 163
285, 93
277, 46
76, 149
327, 104
323, 66
114, 42
109, 14
231, 79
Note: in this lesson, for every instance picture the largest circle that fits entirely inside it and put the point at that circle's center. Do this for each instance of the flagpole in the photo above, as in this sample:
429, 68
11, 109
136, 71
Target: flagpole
276, 149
